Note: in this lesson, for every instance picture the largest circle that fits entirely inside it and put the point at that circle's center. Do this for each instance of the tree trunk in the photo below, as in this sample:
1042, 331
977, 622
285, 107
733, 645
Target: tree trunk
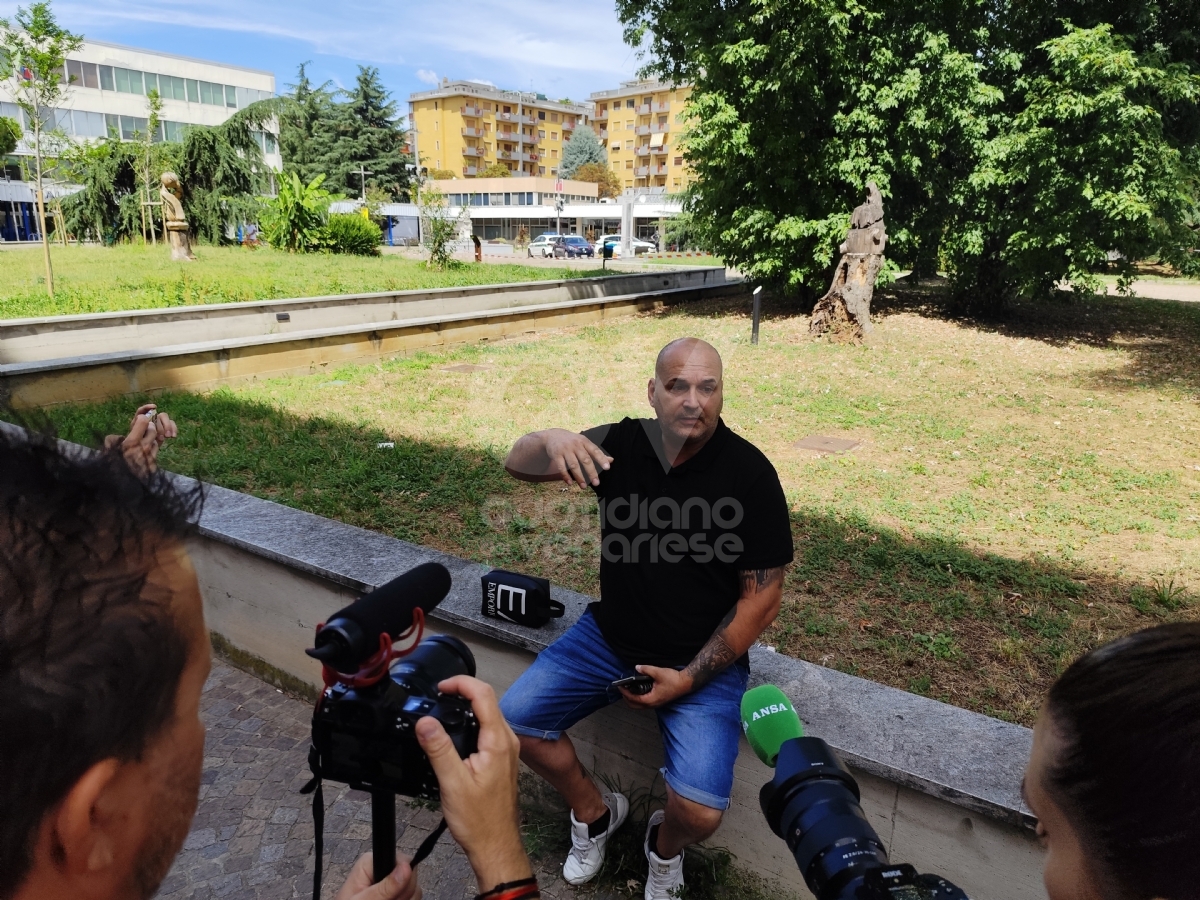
845, 311
41, 202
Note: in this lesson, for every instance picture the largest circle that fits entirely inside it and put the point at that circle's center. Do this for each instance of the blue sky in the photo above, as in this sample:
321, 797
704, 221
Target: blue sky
562, 50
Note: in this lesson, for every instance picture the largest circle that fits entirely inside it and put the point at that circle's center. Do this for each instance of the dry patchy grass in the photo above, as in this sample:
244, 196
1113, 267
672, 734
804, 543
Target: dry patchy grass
1026, 489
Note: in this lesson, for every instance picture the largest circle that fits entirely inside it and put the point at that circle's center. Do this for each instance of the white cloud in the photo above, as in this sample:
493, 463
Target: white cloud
575, 54
427, 75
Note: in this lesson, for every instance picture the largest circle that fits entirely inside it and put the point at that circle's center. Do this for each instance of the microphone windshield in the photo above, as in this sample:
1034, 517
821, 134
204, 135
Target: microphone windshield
769, 720
351, 636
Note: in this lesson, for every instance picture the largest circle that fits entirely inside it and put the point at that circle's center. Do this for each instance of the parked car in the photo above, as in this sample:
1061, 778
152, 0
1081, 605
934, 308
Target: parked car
543, 244
572, 246
639, 246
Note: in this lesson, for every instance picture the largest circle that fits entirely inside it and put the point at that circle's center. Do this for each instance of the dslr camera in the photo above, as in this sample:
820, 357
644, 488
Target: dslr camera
813, 804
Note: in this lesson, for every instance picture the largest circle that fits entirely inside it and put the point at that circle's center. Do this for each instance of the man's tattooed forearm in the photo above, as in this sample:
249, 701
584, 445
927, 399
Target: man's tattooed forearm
755, 580
714, 656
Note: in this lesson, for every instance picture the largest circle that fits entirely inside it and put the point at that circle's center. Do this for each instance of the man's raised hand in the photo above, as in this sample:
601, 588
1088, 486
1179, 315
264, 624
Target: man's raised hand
148, 431
576, 459
479, 793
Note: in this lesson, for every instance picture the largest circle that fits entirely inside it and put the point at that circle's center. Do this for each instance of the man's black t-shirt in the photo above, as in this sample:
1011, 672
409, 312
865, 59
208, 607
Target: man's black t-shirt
674, 539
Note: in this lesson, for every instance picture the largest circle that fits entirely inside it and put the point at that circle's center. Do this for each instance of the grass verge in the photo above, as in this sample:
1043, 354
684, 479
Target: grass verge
108, 279
1025, 489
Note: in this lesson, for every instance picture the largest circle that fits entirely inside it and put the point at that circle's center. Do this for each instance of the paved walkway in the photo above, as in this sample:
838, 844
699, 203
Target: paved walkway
252, 838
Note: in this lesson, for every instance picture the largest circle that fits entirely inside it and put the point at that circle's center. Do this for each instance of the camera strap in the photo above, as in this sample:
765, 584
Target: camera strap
314, 787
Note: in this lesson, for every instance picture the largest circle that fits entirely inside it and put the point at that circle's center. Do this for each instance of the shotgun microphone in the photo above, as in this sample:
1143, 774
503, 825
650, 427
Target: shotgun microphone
352, 634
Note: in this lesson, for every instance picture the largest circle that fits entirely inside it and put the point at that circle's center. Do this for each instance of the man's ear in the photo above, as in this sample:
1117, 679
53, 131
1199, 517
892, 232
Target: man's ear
650, 391
79, 839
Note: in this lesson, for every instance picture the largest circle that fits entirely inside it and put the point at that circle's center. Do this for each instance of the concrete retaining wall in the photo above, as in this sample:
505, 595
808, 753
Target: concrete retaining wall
940, 784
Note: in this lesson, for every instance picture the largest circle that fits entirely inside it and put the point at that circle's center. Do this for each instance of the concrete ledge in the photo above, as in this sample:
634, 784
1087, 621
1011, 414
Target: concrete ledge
940, 784
203, 365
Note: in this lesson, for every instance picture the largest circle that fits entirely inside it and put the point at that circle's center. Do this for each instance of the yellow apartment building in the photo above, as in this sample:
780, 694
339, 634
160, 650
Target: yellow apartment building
465, 126
640, 124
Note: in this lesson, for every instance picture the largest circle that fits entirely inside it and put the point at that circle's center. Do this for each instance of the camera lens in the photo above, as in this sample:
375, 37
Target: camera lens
812, 803
435, 659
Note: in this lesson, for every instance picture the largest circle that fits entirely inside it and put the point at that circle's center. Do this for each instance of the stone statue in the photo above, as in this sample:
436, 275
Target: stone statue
845, 310
173, 218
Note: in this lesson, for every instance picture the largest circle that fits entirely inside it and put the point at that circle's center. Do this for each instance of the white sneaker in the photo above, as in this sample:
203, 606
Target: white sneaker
664, 881
587, 853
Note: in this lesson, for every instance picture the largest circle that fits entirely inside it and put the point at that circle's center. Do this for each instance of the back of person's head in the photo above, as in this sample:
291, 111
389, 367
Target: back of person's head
1127, 772
90, 656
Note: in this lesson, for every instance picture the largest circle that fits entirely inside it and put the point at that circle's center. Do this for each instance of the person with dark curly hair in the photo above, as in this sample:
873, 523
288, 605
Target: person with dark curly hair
103, 658
1114, 776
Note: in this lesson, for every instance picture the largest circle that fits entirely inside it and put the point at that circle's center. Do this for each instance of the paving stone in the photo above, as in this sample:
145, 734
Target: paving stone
253, 833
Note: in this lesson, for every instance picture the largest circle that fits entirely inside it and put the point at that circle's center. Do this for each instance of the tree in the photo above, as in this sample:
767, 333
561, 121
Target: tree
10, 135
496, 170
1015, 144
306, 127
33, 54
440, 230
442, 174
367, 136
149, 177
582, 147
599, 174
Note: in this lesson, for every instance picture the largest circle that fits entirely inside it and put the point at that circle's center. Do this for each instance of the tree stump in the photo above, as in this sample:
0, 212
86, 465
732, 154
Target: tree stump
845, 310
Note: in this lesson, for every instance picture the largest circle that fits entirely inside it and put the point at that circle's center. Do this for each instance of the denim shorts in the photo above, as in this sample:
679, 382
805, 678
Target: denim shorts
572, 678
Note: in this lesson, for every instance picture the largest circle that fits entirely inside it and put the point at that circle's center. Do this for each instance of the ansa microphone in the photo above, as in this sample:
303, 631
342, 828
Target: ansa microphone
769, 720
352, 634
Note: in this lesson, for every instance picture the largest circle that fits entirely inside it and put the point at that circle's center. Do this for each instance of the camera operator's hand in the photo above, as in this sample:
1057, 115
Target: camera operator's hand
669, 684
146, 435
479, 793
400, 885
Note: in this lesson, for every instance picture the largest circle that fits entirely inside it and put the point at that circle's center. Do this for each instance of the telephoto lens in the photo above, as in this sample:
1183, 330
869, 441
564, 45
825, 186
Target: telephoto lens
813, 804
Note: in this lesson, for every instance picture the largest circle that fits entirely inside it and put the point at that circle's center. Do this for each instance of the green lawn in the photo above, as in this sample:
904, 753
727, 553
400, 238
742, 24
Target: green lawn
104, 279
1025, 490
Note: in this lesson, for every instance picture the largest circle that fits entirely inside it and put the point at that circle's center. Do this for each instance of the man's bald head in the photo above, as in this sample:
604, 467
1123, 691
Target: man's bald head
686, 351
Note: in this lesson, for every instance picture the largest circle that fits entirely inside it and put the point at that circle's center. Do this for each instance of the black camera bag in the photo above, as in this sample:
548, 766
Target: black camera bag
521, 599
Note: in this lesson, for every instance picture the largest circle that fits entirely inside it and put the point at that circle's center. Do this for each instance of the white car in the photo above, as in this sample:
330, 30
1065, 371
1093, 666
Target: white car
543, 245
639, 246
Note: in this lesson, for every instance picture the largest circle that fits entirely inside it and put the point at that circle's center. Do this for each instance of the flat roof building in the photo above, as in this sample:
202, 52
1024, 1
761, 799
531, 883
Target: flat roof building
465, 126
109, 84
640, 124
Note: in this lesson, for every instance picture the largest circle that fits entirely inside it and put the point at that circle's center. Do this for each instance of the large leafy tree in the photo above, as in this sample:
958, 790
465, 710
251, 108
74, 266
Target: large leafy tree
609, 185
582, 148
1016, 144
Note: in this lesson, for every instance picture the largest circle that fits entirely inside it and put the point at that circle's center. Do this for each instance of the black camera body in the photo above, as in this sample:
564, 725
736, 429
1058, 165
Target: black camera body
365, 735
813, 804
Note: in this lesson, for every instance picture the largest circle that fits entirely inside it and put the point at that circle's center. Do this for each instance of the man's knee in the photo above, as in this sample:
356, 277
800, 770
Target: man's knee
694, 817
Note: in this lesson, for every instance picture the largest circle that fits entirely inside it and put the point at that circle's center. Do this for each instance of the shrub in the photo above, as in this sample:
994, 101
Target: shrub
352, 233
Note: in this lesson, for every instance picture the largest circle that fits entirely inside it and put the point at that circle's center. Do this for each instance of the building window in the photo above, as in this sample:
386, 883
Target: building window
629, 163
630, 103
542, 115
553, 117
541, 170
435, 103
679, 160
541, 134
616, 165
629, 145
508, 109
193, 90
106, 79
554, 135
554, 153
629, 126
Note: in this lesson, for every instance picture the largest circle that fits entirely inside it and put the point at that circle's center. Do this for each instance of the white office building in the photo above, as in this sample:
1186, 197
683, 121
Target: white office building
108, 96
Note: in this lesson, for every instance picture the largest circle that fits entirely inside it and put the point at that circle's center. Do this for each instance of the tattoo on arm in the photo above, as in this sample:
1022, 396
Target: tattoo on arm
755, 580
714, 657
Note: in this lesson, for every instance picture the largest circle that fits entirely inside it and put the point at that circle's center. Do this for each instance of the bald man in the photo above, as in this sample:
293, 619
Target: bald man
694, 540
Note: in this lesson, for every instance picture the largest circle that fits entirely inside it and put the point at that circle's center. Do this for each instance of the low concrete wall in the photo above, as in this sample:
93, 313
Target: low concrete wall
940, 784
59, 337
205, 365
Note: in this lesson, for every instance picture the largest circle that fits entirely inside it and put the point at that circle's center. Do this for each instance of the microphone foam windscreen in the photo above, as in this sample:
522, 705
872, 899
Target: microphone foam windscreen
769, 720
390, 606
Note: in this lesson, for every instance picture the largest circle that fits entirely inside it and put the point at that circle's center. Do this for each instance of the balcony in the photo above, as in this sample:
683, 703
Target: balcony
657, 170
516, 137
642, 129
642, 151
517, 155
660, 151
644, 109
660, 107
604, 134
473, 151
642, 171
470, 171
660, 128
473, 111
600, 116
473, 132
513, 117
